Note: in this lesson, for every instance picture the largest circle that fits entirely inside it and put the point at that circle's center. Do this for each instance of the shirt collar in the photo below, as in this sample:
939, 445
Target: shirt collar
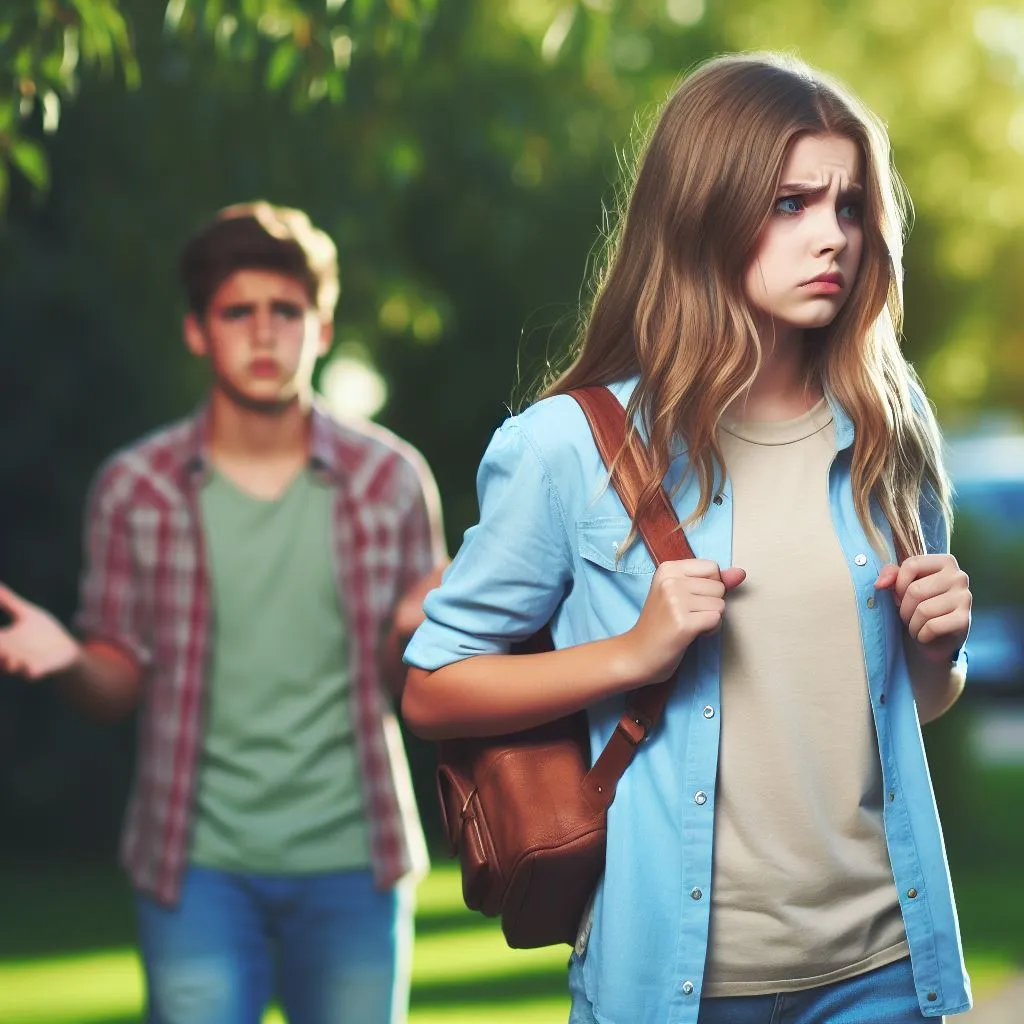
842, 423
193, 468
323, 452
323, 449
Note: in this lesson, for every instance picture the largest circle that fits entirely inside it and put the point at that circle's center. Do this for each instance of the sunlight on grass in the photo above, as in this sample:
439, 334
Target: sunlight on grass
463, 974
513, 1012
989, 974
71, 990
108, 986
438, 893
104, 987
480, 952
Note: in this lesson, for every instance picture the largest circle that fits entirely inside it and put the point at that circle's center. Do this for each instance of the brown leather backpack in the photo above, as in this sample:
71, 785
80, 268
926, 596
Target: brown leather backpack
525, 813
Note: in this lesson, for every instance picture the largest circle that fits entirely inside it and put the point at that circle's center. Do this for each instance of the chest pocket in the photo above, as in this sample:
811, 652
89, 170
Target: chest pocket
600, 543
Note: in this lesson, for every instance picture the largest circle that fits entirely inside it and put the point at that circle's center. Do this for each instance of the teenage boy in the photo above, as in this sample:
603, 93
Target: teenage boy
251, 573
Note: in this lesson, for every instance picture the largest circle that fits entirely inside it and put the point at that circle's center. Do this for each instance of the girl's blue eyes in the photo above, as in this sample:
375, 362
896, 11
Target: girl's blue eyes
790, 206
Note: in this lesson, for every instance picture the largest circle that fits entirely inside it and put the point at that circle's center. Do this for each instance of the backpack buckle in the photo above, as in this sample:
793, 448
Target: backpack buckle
635, 727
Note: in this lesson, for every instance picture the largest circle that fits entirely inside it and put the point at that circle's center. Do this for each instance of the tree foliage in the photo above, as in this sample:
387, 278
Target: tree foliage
466, 156
305, 48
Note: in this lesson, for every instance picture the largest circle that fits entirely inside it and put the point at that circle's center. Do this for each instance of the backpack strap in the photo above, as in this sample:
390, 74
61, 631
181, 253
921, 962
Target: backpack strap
627, 460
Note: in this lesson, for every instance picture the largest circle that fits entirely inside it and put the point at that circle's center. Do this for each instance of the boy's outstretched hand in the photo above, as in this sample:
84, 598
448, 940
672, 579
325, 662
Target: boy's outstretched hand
34, 644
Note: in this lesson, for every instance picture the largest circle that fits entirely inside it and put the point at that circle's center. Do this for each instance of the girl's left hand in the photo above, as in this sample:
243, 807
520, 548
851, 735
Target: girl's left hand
933, 595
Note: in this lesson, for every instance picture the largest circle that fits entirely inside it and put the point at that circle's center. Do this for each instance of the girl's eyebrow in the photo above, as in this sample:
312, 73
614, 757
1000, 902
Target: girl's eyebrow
806, 188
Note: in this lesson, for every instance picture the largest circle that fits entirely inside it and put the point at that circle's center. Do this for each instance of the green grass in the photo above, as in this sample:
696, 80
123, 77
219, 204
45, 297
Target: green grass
69, 960
66, 953
66, 956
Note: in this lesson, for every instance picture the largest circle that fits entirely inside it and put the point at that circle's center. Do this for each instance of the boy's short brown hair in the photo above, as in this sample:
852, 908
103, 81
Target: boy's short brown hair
259, 236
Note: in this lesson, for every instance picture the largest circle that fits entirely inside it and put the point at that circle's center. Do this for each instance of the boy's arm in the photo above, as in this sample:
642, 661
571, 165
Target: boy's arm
423, 556
103, 674
104, 682
101, 679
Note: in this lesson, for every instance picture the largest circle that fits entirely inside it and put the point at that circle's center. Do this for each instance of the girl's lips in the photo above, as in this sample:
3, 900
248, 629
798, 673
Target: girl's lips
263, 368
823, 287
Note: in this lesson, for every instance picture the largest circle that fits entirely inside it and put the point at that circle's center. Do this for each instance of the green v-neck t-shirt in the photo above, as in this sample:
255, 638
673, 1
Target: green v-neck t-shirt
279, 789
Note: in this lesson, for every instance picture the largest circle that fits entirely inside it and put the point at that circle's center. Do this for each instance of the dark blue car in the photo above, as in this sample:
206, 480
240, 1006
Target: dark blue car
988, 540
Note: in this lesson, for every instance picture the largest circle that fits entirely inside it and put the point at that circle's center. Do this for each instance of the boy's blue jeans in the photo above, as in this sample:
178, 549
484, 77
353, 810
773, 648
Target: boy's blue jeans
331, 947
885, 995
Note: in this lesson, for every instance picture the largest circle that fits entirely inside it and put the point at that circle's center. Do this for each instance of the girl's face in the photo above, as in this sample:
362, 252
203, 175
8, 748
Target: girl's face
809, 253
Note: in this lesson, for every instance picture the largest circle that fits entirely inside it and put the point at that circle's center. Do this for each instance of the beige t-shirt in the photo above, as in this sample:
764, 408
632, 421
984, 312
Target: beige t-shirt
802, 888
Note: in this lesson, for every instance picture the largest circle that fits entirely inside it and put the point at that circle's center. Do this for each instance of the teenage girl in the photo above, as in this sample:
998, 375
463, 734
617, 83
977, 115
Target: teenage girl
774, 852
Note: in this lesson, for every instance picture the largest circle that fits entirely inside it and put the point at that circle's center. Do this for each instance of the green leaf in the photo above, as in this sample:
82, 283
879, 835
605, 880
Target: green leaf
281, 65
30, 158
335, 87
173, 14
51, 66
120, 36
94, 38
403, 10
252, 10
362, 11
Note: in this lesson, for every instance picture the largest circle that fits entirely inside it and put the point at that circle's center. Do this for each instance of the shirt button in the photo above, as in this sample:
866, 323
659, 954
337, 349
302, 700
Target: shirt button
700, 798
861, 559
871, 601
687, 988
881, 699
932, 997
709, 711
695, 894
718, 499
912, 893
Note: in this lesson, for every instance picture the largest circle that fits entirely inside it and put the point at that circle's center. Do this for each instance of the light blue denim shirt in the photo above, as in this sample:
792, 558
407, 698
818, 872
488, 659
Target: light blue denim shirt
545, 550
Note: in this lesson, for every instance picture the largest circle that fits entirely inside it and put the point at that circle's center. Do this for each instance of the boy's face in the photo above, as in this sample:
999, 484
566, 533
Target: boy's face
262, 335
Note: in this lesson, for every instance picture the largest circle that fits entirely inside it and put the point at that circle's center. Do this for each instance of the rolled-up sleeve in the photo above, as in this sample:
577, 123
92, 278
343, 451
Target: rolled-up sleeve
422, 530
513, 567
109, 605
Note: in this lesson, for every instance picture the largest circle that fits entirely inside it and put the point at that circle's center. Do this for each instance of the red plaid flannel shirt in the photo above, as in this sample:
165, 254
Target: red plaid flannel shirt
145, 588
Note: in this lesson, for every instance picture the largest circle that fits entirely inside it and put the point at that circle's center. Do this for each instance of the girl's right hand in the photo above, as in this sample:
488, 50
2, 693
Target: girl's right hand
687, 598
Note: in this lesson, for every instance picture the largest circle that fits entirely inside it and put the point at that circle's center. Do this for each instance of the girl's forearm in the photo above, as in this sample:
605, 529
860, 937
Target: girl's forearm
937, 687
491, 694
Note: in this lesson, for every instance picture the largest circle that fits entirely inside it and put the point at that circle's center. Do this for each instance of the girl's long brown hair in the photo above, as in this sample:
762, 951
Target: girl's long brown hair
670, 306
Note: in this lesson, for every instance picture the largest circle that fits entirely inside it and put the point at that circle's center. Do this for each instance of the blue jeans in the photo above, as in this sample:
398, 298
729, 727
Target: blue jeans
885, 995
333, 948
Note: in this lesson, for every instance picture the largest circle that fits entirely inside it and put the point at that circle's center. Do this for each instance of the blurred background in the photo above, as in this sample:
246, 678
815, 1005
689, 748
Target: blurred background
466, 156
